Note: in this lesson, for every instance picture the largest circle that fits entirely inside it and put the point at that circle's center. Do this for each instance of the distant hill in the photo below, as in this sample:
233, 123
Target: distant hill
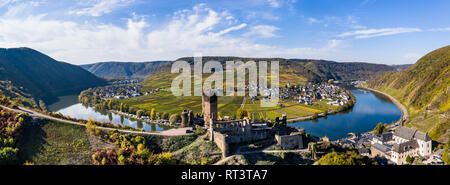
424, 89
316, 70
41, 76
294, 71
345, 71
125, 69
310, 70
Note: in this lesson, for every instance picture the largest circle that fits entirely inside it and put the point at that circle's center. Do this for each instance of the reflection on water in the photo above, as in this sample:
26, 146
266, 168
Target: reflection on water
80, 111
381, 97
62, 102
369, 110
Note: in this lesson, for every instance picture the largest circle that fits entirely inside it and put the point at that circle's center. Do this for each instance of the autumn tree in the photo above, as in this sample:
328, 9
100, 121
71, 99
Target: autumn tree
241, 113
315, 115
409, 159
121, 107
380, 128
109, 104
165, 115
8, 155
174, 118
153, 114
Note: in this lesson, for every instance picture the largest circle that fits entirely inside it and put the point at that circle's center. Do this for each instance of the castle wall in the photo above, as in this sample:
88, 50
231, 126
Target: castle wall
290, 141
221, 142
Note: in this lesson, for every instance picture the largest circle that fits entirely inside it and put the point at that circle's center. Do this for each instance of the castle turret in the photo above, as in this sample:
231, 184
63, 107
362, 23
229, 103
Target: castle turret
209, 108
184, 118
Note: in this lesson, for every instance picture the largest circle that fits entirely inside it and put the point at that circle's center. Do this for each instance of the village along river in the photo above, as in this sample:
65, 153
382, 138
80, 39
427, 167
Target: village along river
370, 109
69, 105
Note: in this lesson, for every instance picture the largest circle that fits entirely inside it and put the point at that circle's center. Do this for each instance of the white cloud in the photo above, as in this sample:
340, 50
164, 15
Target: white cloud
274, 3
346, 21
19, 9
100, 7
197, 30
262, 31
369, 33
262, 14
6, 2
312, 20
234, 28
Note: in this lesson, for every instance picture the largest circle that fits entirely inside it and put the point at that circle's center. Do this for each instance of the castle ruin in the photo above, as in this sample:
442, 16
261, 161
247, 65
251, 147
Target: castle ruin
224, 133
209, 108
187, 118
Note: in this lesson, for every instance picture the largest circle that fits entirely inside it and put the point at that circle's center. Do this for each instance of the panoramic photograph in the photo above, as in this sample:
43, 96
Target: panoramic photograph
227, 83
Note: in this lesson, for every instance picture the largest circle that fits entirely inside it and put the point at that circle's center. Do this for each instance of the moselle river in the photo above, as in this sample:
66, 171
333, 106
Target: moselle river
370, 109
68, 105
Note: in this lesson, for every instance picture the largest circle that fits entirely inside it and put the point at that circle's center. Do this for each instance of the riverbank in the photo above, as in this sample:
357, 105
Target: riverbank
396, 103
132, 116
308, 118
329, 112
400, 106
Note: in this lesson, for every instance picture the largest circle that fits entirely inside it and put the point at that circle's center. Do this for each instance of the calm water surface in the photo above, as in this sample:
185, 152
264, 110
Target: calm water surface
369, 110
68, 105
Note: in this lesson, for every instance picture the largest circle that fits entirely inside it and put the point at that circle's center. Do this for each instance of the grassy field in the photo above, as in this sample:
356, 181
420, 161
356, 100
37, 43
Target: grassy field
164, 101
291, 109
55, 143
200, 151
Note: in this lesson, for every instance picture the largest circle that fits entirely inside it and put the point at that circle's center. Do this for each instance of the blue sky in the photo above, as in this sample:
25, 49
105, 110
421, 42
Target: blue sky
80, 32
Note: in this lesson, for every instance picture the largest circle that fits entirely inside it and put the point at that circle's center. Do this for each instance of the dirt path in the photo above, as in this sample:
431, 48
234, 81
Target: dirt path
170, 132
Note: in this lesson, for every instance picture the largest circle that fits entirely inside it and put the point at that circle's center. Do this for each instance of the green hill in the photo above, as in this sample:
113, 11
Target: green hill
424, 89
124, 69
291, 70
345, 71
40, 76
309, 70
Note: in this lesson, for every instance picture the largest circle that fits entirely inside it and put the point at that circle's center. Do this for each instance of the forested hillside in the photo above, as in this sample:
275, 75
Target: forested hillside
424, 89
125, 69
41, 76
316, 70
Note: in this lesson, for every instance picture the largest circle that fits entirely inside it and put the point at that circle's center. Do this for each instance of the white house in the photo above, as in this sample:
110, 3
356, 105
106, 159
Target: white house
402, 143
405, 134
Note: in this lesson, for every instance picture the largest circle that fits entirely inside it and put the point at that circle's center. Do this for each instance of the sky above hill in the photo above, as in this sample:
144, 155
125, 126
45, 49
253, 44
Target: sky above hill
88, 31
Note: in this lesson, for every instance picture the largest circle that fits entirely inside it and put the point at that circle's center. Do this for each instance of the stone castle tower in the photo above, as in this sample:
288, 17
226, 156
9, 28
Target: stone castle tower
209, 108
187, 118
